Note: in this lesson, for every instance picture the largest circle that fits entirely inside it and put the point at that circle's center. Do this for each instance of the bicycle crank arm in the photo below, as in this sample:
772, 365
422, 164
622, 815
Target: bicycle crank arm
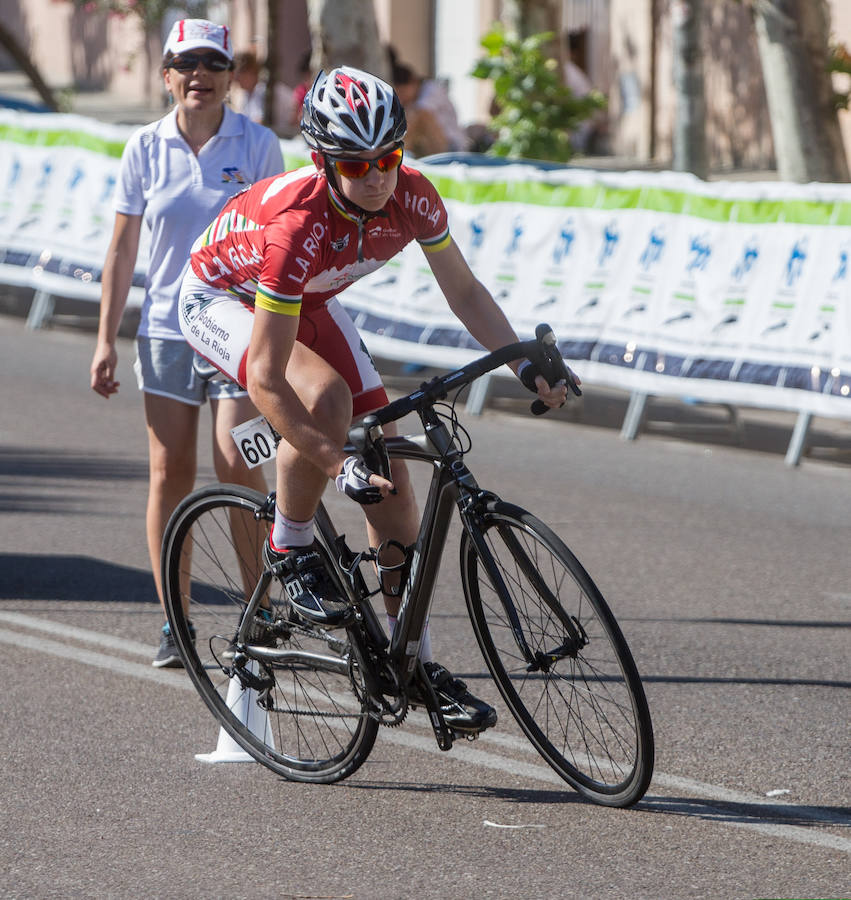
442, 734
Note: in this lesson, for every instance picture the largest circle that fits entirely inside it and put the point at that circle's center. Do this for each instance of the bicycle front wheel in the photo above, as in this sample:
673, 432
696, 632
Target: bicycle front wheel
557, 655
294, 705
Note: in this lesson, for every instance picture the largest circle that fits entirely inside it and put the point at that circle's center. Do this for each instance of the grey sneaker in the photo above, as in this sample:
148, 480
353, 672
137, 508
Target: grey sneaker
168, 656
262, 634
305, 575
460, 709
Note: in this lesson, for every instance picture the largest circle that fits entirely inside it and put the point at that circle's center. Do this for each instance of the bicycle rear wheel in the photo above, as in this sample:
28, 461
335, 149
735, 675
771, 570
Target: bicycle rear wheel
295, 710
574, 688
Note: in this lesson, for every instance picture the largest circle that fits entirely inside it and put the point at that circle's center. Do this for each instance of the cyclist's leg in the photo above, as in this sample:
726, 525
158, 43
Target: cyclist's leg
395, 518
327, 397
331, 333
335, 337
294, 553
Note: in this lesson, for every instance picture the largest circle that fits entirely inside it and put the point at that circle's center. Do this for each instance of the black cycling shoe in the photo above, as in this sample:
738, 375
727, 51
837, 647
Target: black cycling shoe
460, 709
305, 575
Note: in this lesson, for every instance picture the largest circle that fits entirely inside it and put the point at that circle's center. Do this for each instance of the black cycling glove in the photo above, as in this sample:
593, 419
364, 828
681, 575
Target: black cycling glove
353, 481
527, 371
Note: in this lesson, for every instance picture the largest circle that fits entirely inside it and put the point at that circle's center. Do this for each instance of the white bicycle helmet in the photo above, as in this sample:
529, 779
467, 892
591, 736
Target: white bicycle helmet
349, 110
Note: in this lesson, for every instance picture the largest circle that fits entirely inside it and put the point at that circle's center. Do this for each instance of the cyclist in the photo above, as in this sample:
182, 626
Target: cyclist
259, 301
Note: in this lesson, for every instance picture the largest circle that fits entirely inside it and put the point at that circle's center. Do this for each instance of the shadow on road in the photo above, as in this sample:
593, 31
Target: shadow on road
715, 810
24, 470
72, 578
749, 813
32, 462
486, 792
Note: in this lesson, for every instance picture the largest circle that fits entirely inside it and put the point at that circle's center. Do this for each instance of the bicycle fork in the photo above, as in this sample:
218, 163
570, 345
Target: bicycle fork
575, 636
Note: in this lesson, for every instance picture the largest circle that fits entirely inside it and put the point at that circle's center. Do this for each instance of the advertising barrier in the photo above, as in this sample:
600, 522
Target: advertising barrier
655, 283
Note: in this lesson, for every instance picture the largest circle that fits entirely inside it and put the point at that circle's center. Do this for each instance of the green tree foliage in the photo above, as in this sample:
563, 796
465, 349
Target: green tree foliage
536, 111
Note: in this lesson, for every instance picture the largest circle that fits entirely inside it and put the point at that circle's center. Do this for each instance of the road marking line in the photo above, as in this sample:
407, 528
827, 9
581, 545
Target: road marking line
48, 626
97, 659
704, 793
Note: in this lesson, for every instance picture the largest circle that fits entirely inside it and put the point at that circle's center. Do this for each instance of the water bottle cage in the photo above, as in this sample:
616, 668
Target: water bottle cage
392, 576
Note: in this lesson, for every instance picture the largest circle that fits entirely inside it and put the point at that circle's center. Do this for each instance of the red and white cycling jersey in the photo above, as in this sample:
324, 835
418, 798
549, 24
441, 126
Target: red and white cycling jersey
289, 240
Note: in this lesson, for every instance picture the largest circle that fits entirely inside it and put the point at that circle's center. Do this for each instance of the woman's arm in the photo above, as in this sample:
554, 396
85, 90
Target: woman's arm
116, 280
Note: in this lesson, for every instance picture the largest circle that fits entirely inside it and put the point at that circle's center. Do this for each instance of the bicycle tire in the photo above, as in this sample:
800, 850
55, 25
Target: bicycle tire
317, 728
585, 713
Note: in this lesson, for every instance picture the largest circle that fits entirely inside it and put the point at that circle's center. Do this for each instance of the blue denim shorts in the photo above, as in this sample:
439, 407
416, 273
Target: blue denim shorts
165, 368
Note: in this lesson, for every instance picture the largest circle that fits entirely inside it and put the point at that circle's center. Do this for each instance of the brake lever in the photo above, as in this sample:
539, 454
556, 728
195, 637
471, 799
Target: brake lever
367, 437
556, 366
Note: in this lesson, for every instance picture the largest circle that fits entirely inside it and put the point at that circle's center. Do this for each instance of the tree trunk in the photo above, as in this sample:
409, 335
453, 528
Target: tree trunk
792, 36
690, 119
28, 67
345, 32
273, 75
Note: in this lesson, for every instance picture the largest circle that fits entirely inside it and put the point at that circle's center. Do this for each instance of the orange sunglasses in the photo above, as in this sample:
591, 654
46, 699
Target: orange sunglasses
349, 167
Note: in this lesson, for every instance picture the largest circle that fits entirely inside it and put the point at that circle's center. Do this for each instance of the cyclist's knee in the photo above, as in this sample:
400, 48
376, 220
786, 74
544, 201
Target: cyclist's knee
330, 404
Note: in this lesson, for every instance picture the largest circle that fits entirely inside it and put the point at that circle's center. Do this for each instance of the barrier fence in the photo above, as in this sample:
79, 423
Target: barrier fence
656, 283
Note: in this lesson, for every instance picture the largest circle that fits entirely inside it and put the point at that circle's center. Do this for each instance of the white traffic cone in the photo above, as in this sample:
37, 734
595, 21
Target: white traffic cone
242, 702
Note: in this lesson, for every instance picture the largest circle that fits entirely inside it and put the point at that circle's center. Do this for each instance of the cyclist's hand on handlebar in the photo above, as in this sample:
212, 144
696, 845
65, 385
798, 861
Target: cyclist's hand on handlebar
361, 484
552, 396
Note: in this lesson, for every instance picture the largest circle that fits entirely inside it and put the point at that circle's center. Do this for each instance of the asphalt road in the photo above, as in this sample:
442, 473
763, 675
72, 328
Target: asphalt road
729, 573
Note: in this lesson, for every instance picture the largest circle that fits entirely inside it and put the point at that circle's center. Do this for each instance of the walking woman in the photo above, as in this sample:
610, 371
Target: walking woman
175, 175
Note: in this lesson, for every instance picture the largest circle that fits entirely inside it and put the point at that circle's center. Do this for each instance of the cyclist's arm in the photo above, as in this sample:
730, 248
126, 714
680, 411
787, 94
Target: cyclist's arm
115, 286
472, 302
272, 340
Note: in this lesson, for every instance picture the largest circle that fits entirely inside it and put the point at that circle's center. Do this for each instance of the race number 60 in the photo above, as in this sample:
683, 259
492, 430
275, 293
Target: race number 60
254, 441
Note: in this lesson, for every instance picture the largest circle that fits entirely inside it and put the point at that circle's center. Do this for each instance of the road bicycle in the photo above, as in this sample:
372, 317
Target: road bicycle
307, 702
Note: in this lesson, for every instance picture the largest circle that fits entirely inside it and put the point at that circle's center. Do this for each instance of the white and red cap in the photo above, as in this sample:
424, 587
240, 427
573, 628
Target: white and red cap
199, 34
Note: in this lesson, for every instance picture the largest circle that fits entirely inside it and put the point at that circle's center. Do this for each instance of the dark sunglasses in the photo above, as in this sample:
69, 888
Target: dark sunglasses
359, 168
189, 62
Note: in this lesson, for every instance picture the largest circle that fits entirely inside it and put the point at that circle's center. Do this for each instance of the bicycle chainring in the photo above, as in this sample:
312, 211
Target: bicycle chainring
390, 708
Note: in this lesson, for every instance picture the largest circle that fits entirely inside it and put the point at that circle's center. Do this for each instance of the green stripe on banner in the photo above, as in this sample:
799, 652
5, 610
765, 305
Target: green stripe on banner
36, 137
711, 208
652, 199
842, 214
664, 200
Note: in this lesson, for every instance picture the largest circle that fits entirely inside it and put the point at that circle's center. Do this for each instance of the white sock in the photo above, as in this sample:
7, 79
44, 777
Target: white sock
288, 533
425, 646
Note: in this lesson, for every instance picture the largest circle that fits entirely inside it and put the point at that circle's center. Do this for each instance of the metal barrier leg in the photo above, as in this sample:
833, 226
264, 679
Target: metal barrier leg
478, 395
40, 310
799, 437
634, 412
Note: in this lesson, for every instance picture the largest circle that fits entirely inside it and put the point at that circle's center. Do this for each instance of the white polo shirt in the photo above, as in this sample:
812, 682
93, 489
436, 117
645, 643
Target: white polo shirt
179, 194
